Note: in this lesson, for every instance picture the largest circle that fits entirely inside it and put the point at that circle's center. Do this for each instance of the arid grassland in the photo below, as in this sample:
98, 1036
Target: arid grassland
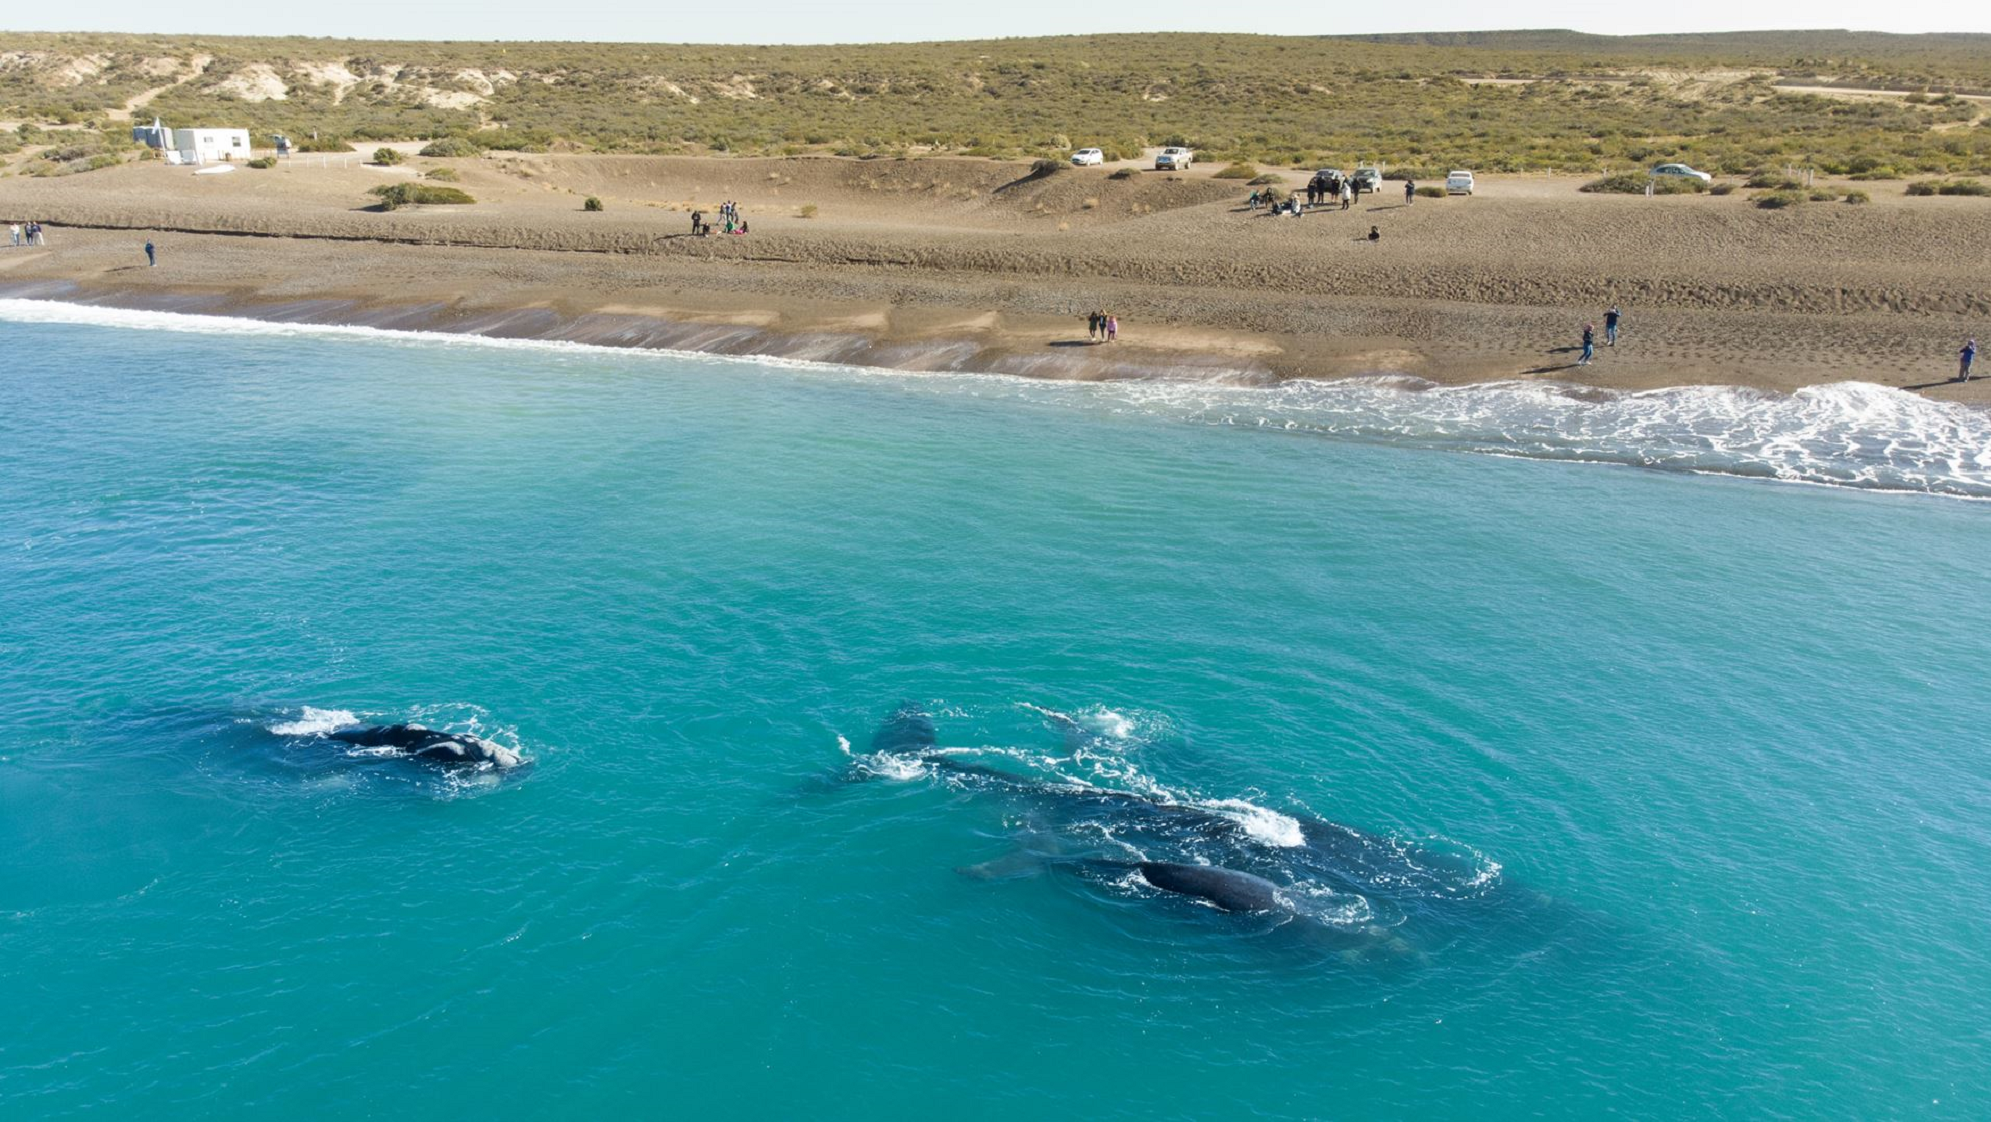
1500, 101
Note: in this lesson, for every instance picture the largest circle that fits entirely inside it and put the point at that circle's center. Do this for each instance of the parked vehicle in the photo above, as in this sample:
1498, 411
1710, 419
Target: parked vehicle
1088, 158
1367, 179
1174, 159
1459, 183
1683, 171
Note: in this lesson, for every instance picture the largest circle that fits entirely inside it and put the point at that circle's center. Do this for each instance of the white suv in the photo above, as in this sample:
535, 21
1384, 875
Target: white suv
1174, 159
1088, 158
1459, 183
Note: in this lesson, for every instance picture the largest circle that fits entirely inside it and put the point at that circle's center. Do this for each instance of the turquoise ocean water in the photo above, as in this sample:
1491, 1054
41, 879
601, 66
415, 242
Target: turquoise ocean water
1668, 783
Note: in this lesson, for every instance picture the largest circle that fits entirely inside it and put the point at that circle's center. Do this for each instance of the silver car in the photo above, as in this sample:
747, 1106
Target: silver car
1682, 171
1174, 159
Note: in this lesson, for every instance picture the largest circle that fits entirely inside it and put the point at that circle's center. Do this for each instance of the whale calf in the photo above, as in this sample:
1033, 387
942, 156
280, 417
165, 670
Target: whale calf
417, 742
1229, 889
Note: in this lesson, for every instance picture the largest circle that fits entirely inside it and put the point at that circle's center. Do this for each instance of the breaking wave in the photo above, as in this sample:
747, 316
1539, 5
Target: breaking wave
1845, 434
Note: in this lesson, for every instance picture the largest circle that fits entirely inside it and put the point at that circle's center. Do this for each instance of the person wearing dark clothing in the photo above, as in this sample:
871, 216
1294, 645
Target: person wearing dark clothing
1611, 327
150, 258
1409, 192
1589, 344
1965, 357
698, 223
1375, 235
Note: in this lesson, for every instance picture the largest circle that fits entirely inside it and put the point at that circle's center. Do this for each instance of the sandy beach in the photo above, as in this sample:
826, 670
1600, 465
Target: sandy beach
982, 265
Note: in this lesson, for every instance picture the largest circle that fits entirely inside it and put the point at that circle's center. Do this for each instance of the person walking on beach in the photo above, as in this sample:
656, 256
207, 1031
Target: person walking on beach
1092, 326
1409, 191
151, 259
1589, 344
1112, 329
1611, 326
1964, 358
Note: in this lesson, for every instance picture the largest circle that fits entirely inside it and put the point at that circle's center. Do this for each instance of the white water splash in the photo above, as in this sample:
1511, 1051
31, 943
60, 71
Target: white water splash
315, 722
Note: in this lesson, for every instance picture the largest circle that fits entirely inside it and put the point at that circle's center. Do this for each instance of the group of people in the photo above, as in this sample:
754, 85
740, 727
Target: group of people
1102, 327
27, 233
1318, 194
729, 215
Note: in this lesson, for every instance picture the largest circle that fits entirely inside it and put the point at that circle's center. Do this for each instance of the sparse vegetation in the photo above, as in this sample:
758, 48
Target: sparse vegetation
1429, 192
1949, 187
1777, 200
1635, 182
393, 196
808, 210
263, 163
592, 204
453, 147
387, 156
1238, 171
1586, 102
326, 143
445, 175
1857, 197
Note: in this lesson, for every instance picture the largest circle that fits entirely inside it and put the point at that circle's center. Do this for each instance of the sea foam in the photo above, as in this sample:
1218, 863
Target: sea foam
1848, 434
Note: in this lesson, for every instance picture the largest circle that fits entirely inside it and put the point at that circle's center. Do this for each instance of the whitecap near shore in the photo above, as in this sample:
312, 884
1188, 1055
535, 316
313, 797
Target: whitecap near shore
1848, 434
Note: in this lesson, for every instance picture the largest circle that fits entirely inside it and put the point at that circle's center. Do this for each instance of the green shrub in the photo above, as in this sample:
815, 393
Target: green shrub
1262, 180
1722, 189
592, 204
325, 143
1122, 173
393, 195
387, 156
1634, 183
1949, 187
1777, 200
453, 147
1238, 171
1856, 197
1429, 192
1773, 181
808, 210
263, 162
446, 175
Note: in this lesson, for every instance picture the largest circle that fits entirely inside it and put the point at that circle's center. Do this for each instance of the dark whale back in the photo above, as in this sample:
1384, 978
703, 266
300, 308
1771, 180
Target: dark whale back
429, 744
1228, 889
907, 730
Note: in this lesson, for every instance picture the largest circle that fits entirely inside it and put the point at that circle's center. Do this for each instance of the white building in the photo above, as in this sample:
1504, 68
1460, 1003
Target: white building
207, 146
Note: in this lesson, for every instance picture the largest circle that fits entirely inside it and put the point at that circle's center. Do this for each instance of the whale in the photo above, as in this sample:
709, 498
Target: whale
452, 749
1350, 888
1229, 889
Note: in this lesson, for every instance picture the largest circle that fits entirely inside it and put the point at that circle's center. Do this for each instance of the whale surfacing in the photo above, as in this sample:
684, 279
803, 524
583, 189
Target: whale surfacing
417, 742
1228, 889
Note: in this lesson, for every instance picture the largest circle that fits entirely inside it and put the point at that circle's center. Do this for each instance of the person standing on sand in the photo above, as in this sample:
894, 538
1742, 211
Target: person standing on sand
1611, 326
15, 231
1092, 326
1347, 195
1112, 329
697, 223
1589, 344
151, 260
1964, 358
1409, 191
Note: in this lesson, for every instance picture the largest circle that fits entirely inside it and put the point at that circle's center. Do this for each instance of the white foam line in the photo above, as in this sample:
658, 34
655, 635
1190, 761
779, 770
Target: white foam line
1556, 422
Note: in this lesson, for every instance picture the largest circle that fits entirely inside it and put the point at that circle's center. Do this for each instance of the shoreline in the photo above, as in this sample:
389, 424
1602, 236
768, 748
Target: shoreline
958, 266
